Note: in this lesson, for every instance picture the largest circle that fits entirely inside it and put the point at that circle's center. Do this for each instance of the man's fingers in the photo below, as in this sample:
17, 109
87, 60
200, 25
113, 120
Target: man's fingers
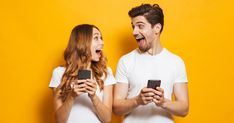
150, 94
157, 97
158, 93
156, 101
148, 98
145, 90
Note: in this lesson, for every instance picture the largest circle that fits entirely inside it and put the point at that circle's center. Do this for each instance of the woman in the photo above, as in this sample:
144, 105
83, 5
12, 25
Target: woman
86, 100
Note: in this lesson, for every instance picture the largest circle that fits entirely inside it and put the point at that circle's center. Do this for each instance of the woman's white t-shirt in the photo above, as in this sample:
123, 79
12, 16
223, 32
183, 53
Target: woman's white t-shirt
82, 110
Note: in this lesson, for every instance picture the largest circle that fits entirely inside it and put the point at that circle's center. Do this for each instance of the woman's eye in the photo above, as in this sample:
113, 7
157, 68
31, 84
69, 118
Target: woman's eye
95, 38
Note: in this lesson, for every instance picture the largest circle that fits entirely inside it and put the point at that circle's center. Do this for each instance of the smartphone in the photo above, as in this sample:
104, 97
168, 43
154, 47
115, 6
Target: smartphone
84, 74
153, 83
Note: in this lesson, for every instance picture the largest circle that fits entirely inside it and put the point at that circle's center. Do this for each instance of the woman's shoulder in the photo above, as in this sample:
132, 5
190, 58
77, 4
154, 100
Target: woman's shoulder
59, 70
109, 70
110, 79
56, 76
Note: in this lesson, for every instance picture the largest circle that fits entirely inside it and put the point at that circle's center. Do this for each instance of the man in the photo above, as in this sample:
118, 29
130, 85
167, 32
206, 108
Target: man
150, 61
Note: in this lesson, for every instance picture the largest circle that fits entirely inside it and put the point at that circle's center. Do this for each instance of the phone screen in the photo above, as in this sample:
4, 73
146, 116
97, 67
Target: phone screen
84, 74
153, 83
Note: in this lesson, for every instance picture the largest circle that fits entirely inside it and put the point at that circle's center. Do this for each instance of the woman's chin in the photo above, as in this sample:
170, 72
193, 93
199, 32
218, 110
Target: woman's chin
96, 59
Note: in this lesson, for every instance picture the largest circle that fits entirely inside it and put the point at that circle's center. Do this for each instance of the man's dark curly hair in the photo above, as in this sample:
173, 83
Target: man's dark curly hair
152, 13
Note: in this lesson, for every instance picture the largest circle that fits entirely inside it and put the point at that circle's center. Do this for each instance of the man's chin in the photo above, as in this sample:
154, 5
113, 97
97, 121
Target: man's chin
142, 49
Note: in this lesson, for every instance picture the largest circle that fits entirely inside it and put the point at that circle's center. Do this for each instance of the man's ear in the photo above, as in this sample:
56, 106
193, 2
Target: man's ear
157, 28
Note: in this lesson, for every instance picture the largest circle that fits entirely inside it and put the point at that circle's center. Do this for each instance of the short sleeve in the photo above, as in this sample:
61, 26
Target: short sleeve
180, 75
121, 72
56, 77
110, 79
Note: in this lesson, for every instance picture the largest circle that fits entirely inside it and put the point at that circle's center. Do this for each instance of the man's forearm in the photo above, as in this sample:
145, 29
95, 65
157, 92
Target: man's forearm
178, 108
125, 106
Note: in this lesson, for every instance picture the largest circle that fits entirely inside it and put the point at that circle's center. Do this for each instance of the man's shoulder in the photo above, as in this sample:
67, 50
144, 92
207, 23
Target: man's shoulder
129, 55
173, 56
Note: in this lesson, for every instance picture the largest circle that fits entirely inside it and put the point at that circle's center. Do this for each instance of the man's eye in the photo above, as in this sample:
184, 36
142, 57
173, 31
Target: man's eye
141, 26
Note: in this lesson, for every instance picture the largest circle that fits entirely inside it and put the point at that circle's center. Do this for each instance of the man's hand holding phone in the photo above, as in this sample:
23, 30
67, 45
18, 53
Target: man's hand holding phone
151, 93
146, 96
158, 98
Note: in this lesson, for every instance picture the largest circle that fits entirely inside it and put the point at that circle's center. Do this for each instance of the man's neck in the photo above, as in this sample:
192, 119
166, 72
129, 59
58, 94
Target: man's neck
156, 48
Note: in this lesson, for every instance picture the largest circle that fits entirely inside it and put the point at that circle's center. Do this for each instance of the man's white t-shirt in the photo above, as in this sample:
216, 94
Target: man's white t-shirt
82, 110
136, 69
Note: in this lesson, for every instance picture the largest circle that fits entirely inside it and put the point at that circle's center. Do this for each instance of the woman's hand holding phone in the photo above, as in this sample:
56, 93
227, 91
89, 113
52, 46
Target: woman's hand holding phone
78, 87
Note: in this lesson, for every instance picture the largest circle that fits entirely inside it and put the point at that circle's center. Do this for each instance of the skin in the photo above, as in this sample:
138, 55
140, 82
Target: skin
103, 108
150, 45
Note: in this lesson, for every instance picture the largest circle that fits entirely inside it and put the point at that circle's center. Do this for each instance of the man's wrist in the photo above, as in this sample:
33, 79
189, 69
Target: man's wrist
164, 104
136, 101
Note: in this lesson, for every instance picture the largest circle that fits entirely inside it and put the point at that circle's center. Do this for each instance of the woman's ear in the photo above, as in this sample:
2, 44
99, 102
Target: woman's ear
157, 28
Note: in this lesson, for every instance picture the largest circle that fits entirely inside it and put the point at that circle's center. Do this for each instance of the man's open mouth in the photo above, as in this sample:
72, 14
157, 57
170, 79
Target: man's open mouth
139, 38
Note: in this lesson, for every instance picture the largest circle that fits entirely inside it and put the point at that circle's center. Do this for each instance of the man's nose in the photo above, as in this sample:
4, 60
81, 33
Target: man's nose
135, 32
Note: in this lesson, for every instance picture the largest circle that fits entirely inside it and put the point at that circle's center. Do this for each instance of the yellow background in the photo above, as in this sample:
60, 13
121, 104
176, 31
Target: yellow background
33, 35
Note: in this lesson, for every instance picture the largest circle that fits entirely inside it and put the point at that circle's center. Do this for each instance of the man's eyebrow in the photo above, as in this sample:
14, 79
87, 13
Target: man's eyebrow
139, 23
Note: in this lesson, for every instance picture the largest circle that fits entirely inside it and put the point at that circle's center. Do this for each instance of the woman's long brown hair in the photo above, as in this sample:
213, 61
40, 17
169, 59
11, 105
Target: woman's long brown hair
77, 56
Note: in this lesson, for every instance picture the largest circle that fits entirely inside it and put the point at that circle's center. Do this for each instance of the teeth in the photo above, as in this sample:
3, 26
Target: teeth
138, 37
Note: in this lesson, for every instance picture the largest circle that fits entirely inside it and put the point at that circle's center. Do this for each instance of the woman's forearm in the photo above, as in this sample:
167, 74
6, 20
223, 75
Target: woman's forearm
62, 113
103, 112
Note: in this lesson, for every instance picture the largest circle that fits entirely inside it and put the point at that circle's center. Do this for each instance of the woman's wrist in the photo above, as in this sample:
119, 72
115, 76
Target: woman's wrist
95, 100
71, 96
93, 97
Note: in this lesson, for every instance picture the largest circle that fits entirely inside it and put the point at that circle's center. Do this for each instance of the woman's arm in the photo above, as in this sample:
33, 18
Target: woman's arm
103, 108
62, 109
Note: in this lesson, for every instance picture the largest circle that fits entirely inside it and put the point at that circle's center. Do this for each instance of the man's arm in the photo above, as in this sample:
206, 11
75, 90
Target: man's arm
123, 106
180, 106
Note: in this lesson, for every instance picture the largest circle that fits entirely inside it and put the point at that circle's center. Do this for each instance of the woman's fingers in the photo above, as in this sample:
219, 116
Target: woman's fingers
91, 87
84, 86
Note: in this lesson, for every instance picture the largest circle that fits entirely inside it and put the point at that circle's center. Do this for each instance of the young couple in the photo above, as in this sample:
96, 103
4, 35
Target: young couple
91, 100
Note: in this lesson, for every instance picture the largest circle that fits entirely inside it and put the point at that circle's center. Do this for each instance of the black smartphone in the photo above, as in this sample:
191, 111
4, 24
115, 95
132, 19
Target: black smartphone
153, 83
84, 74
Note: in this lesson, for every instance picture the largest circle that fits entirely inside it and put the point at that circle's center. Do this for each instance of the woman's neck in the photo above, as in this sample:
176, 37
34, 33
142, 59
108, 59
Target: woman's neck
89, 66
